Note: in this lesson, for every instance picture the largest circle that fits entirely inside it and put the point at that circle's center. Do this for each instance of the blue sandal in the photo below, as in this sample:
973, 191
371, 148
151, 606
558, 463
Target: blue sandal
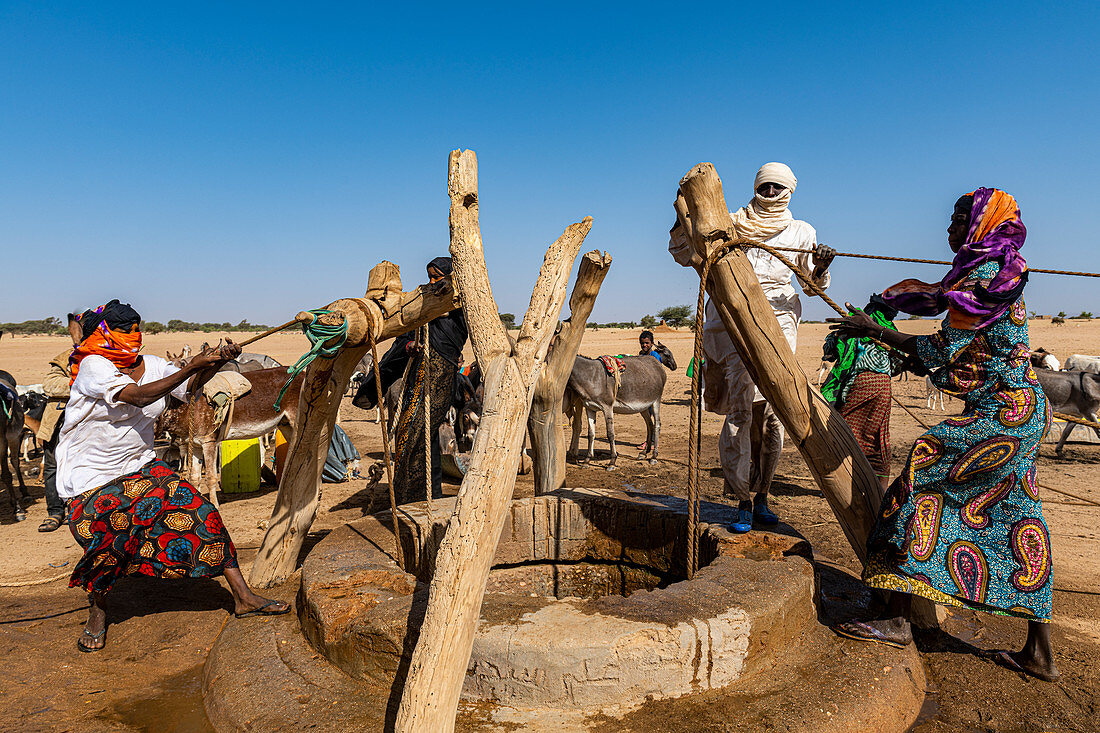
743, 523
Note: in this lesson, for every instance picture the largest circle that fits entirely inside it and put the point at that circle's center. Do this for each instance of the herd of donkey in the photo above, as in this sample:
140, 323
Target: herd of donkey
616, 385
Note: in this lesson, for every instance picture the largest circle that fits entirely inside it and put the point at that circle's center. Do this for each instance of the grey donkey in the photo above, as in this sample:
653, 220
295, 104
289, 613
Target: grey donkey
639, 390
11, 433
1071, 393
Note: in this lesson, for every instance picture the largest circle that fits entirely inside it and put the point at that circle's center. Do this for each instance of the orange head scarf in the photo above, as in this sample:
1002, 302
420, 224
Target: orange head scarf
111, 331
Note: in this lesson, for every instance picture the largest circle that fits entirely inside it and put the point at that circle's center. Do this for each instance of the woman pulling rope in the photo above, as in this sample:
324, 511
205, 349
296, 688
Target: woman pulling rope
434, 371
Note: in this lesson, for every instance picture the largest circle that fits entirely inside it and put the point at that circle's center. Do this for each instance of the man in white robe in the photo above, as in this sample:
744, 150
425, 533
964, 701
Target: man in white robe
730, 389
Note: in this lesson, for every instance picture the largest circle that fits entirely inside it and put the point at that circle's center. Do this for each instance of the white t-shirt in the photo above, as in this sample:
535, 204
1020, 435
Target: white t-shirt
102, 438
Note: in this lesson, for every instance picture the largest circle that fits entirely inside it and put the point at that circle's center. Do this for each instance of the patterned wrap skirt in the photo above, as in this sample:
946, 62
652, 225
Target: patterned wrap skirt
409, 475
963, 524
149, 522
867, 412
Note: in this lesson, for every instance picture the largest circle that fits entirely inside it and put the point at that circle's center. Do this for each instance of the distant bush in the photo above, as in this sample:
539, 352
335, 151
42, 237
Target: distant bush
1086, 315
648, 321
51, 326
675, 315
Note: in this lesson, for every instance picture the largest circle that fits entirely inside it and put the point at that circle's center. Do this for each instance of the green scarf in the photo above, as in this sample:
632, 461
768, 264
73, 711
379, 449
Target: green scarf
848, 351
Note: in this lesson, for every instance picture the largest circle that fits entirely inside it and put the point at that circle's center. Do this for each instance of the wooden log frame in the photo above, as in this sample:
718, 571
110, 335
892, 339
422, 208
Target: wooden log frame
384, 312
821, 434
430, 697
543, 424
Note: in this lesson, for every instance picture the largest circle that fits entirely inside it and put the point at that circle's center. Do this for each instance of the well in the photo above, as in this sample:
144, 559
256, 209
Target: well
588, 608
587, 619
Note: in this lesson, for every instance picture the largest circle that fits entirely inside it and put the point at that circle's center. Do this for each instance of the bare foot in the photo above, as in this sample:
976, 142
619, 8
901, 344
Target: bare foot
1027, 664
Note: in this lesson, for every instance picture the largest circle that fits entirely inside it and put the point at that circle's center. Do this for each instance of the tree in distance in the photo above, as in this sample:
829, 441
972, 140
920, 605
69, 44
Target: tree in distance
648, 321
675, 315
508, 319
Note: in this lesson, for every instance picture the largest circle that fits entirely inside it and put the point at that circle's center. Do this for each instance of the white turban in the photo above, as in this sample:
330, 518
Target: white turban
765, 217
775, 173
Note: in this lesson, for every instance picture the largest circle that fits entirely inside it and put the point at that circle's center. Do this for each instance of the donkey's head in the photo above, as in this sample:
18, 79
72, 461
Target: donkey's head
666, 355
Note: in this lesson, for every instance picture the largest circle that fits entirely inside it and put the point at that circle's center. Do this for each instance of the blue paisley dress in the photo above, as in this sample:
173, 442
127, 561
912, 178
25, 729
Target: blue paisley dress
963, 524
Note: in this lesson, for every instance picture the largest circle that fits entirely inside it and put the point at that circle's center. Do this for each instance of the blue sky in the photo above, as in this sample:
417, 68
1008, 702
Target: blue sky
220, 161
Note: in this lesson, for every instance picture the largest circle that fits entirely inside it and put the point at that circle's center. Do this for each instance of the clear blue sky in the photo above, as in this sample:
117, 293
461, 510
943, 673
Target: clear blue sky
220, 161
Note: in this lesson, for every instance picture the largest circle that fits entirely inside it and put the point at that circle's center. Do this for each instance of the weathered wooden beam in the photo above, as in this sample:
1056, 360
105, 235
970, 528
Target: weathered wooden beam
821, 434
438, 667
385, 312
543, 424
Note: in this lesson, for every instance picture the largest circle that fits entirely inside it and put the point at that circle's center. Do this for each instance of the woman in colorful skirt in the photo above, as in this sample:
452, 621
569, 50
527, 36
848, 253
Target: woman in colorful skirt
963, 525
129, 511
859, 385
446, 338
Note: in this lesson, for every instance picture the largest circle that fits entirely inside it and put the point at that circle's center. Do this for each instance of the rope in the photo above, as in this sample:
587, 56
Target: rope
41, 581
426, 373
317, 333
398, 554
917, 260
1078, 420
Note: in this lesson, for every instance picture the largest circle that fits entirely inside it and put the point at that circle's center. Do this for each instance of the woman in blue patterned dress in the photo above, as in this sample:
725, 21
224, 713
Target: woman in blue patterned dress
963, 525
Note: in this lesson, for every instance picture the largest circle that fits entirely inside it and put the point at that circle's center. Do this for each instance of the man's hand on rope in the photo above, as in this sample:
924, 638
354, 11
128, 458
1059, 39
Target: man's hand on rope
823, 257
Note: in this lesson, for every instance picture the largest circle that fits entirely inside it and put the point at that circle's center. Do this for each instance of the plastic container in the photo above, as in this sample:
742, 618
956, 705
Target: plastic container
240, 466
281, 448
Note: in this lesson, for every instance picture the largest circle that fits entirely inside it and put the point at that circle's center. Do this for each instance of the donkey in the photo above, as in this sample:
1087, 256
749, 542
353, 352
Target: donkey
640, 389
1072, 393
11, 435
253, 415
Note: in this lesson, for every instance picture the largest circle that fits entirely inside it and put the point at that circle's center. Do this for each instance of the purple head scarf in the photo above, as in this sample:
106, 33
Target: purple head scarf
996, 233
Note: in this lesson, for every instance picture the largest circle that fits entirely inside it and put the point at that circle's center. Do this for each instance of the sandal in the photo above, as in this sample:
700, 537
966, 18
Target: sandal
49, 524
262, 610
861, 631
82, 646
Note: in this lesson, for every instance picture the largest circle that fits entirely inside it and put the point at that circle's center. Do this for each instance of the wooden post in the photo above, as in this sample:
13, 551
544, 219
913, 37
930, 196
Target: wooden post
384, 313
438, 668
821, 434
547, 438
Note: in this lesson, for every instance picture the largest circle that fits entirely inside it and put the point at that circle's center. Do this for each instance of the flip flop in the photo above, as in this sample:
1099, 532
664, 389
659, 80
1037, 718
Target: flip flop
861, 631
262, 610
1004, 659
96, 637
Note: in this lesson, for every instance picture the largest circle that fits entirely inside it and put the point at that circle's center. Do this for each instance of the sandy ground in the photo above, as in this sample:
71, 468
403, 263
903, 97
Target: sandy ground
147, 678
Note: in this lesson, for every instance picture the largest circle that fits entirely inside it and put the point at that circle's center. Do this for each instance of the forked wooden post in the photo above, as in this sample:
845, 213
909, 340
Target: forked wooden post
383, 313
543, 424
438, 668
821, 434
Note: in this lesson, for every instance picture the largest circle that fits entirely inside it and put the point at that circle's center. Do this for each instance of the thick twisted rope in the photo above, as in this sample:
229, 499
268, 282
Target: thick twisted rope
426, 373
918, 260
397, 553
40, 581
